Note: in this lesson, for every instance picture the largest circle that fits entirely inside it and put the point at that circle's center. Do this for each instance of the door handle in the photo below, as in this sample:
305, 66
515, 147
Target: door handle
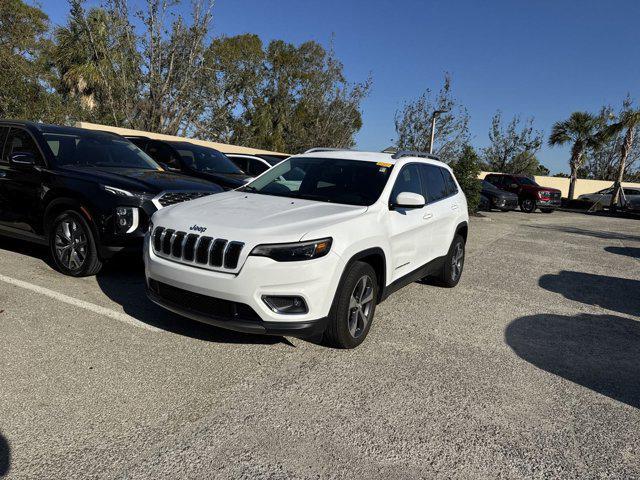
427, 216
454, 206
3, 174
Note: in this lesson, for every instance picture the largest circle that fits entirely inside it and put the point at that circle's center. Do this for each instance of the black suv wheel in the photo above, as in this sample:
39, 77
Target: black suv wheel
350, 318
528, 205
73, 245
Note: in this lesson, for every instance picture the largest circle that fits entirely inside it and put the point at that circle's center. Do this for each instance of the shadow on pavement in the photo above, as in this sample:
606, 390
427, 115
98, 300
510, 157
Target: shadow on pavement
122, 280
27, 248
599, 352
5, 456
588, 233
633, 252
618, 294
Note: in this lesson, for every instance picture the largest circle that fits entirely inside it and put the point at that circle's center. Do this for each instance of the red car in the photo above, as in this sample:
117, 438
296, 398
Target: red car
530, 194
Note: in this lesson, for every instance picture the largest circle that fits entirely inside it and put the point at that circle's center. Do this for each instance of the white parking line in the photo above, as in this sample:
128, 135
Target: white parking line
92, 307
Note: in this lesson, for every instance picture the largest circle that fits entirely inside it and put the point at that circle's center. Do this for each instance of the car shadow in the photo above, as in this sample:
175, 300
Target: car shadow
22, 247
633, 252
613, 293
122, 280
599, 352
588, 233
5, 456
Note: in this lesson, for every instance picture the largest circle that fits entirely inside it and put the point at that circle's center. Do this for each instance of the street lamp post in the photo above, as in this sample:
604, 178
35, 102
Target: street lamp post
433, 127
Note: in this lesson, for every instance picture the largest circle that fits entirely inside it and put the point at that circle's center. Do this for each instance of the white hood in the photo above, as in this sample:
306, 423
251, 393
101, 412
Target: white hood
254, 218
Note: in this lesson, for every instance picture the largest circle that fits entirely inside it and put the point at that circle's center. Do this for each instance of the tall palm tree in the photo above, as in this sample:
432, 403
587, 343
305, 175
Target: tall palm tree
582, 130
629, 121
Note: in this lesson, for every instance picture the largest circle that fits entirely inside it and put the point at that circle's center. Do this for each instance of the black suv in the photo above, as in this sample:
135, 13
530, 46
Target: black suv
87, 194
194, 160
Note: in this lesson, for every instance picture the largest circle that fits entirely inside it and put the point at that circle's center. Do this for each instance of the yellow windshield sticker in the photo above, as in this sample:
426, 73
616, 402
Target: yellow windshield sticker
384, 164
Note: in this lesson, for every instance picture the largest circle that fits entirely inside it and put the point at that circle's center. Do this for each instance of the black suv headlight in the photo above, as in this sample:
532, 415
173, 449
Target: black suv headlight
127, 219
294, 252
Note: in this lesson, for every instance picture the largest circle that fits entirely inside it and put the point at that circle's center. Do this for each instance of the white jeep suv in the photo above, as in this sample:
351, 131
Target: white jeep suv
311, 246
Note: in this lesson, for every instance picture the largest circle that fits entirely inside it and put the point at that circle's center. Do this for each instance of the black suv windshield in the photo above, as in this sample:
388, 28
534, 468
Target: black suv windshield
97, 149
203, 159
351, 182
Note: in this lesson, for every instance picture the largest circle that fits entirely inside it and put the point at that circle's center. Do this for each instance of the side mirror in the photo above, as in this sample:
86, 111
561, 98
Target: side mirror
22, 159
409, 200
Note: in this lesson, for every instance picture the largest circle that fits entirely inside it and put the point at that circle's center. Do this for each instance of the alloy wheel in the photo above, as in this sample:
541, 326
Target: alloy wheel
360, 306
456, 261
71, 244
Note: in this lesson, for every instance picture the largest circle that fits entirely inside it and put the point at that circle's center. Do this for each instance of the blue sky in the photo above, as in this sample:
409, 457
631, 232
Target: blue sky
541, 58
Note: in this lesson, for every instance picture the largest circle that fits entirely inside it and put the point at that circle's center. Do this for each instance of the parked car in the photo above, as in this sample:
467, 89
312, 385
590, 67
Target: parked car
530, 194
603, 197
194, 160
254, 165
492, 197
86, 194
311, 246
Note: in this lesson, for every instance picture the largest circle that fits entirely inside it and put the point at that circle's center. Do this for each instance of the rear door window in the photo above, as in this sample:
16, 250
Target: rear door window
452, 188
432, 179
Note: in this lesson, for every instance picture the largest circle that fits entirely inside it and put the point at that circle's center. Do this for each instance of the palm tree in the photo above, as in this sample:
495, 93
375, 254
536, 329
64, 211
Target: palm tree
581, 129
629, 121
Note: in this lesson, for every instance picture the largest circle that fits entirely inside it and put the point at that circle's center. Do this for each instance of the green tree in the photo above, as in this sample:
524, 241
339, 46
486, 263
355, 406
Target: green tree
512, 148
466, 169
627, 123
25, 76
413, 124
582, 130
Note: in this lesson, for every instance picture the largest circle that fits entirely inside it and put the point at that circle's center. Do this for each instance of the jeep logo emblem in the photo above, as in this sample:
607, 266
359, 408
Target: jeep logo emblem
197, 228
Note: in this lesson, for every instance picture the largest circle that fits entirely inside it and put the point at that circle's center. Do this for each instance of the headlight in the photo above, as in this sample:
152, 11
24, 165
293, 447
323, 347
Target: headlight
294, 252
544, 194
127, 219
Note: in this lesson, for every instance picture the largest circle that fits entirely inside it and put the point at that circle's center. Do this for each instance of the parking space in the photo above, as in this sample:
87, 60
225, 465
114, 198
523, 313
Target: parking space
530, 368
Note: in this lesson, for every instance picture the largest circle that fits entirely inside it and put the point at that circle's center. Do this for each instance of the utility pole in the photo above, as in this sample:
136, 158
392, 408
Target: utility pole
433, 127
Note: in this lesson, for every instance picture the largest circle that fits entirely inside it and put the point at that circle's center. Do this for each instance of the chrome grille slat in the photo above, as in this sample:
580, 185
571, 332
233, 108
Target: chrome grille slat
197, 250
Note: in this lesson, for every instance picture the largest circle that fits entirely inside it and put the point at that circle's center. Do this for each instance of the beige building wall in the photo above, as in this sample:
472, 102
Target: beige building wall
582, 185
222, 147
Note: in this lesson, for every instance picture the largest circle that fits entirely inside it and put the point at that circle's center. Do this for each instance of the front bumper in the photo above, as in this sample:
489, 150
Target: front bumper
239, 296
505, 203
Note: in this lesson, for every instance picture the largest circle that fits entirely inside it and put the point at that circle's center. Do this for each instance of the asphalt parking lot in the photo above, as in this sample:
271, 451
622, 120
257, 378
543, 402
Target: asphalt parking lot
530, 368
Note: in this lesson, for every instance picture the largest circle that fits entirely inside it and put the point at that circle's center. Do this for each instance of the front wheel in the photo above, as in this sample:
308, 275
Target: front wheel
528, 205
354, 306
73, 245
453, 263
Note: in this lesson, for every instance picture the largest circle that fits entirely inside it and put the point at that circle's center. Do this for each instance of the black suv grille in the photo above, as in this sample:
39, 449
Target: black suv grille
194, 249
170, 198
203, 304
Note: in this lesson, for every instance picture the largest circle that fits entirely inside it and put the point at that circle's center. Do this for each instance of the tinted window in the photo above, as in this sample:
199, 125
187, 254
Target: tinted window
631, 191
256, 167
163, 153
436, 188
97, 149
494, 180
408, 181
240, 162
351, 182
20, 141
205, 159
3, 136
452, 188
525, 181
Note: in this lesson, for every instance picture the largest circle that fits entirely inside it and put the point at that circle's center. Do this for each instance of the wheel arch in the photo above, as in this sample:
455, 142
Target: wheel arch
59, 205
377, 259
463, 230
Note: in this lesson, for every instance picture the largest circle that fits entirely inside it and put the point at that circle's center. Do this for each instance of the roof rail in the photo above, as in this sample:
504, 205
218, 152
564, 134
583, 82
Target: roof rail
325, 149
412, 153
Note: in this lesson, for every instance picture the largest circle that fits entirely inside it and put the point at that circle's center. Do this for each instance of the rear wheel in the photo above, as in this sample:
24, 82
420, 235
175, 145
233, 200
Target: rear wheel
73, 245
528, 205
354, 307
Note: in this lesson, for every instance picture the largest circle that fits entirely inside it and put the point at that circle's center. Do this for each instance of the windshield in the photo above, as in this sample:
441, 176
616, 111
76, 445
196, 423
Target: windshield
350, 182
203, 159
526, 181
96, 149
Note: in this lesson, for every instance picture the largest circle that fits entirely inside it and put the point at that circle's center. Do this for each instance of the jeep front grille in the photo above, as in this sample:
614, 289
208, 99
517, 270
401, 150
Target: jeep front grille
197, 250
172, 197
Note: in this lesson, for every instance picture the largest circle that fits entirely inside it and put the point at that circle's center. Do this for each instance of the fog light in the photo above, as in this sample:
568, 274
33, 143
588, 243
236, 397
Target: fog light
126, 219
285, 305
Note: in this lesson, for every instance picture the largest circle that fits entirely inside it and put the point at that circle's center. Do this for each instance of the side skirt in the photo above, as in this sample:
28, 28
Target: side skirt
430, 268
22, 235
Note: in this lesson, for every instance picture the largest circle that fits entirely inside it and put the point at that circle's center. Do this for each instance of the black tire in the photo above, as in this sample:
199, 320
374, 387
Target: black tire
70, 234
342, 318
546, 210
450, 274
528, 205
